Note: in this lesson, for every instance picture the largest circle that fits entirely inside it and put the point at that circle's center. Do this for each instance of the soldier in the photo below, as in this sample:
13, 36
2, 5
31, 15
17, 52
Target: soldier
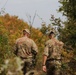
25, 48
52, 55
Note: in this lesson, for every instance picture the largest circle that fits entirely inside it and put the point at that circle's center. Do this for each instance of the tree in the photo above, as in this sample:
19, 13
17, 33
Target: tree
68, 33
68, 8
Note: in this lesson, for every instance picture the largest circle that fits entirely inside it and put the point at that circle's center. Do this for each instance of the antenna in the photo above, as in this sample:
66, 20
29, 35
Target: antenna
34, 17
40, 18
31, 21
5, 4
2, 9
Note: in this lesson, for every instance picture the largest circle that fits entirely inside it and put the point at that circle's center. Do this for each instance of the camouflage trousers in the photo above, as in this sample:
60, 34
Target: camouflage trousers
53, 67
27, 67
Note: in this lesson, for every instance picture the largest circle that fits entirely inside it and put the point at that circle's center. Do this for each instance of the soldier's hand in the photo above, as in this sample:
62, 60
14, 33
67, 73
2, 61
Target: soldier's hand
61, 43
44, 68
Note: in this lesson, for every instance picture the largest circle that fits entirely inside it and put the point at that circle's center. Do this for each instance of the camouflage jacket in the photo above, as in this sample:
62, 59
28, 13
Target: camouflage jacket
24, 47
52, 50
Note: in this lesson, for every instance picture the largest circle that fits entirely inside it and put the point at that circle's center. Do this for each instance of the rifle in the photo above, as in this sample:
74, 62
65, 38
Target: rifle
34, 58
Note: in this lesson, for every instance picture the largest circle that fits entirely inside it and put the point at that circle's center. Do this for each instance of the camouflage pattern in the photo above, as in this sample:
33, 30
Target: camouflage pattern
25, 45
23, 48
27, 67
53, 52
53, 67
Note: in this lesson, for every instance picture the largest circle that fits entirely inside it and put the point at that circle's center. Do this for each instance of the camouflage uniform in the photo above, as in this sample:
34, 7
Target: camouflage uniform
53, 53
23, 48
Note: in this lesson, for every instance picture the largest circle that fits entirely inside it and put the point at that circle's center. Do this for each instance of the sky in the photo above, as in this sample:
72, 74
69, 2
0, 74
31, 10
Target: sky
42, 9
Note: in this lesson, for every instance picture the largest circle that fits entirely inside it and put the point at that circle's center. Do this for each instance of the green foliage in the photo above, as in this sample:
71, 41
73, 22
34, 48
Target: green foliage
69, 38
68, 33
11, 67
68, 8
45, 29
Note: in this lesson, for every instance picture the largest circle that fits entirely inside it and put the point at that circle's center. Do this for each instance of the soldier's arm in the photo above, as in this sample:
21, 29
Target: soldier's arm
60, 43
44, 62
45, 55
15, 48
34, 48
34, 51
